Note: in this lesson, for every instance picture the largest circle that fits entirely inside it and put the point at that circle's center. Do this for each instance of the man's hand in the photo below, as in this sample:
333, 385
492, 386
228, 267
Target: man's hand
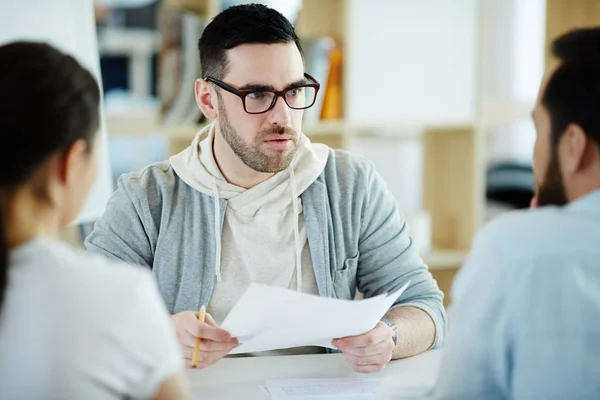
369, 352
216, 343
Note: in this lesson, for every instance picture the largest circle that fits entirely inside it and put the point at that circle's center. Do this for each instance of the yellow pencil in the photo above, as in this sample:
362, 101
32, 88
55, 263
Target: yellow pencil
201, 316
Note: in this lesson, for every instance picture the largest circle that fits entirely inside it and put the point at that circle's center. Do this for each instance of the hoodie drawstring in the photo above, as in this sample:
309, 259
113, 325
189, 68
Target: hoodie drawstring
297, 243
215, 190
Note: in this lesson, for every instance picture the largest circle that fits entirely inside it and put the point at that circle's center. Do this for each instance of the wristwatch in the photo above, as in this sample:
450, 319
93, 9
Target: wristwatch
393, 327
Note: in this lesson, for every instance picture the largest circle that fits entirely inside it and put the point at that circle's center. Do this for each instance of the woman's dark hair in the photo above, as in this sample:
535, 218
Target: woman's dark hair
48, 101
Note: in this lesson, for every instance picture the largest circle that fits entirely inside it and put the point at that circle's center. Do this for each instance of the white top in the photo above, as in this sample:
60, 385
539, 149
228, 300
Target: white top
80, 327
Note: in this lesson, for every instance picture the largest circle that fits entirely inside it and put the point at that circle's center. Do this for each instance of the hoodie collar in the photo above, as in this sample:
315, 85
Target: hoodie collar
197, 167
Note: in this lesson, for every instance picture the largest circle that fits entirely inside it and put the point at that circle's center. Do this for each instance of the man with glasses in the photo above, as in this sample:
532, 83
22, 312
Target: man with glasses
253, 200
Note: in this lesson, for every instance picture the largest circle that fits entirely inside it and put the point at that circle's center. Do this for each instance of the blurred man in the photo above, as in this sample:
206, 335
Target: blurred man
253, 200
526, 312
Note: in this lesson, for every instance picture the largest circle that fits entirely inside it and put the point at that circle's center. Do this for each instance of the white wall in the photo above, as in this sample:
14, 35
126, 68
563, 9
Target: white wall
411, 60
400, 164
69, 26
513, 69
514, 51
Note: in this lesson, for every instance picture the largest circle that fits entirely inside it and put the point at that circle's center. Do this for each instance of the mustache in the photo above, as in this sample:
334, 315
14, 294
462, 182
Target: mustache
279, 130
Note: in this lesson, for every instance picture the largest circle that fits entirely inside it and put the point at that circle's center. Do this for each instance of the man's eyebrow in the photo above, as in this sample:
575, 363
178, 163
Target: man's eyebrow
258, 87
255, 87
299, 82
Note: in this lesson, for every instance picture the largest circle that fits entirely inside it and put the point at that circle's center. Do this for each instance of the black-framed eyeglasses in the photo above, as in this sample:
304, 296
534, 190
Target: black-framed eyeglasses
258, 100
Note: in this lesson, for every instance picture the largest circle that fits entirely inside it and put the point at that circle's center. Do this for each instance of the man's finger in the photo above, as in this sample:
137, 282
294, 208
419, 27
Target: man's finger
204, 331
205, 359
370, 360
379, 334
189, 353
368, 369
380, 348
186, 339
208, 346
210, 320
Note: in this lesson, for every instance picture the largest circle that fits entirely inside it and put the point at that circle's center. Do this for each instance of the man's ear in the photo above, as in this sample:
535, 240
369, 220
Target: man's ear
578, 149
206, 98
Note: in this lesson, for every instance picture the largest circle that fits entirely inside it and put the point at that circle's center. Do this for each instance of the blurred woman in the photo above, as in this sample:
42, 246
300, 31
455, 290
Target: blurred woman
71, 326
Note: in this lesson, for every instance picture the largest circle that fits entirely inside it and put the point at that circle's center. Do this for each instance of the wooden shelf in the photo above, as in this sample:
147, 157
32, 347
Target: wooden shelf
200, 7
145, 124
321, 18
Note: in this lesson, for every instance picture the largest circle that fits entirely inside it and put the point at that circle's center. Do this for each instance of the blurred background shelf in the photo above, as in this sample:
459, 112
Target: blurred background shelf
437, 94
424, 144
325, 128
445, 259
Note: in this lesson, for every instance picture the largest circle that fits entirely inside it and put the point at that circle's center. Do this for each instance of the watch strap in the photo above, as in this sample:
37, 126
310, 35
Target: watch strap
393, 327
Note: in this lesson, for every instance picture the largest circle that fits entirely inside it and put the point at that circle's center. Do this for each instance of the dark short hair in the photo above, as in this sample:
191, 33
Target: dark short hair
238, 25
572, 94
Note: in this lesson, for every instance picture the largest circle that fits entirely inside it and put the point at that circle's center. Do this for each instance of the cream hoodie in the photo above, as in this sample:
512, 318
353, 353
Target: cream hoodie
263, 239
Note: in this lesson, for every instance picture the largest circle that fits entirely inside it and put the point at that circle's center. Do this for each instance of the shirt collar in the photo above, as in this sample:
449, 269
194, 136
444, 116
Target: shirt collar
589, 202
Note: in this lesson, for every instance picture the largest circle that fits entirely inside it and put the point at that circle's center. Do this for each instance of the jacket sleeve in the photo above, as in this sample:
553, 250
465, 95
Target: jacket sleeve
121, 232
388, 259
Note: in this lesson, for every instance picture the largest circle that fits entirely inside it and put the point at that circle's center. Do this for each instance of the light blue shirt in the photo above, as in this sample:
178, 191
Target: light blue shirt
525, 320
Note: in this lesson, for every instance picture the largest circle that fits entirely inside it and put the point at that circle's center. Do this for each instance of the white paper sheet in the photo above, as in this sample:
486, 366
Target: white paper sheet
316, 389
270, 318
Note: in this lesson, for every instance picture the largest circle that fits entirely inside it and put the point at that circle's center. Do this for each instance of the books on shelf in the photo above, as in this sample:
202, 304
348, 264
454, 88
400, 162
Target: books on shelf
323, 61
332, 99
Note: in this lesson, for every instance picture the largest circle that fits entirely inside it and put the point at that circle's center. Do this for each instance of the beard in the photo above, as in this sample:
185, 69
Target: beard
551, 191
255, 157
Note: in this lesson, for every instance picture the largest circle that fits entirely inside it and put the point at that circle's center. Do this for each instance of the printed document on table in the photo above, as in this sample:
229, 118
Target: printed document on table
270, 318
355, 389
317, 389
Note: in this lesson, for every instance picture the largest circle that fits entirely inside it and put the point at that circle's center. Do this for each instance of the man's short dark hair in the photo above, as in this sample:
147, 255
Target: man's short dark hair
572, 94
238, 25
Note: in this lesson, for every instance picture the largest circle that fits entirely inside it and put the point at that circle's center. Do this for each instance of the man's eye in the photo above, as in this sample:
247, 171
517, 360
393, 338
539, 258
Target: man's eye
295, 92
257, 95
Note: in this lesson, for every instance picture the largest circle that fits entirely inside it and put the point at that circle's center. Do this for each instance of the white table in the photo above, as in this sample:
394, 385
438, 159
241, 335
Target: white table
241, 378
